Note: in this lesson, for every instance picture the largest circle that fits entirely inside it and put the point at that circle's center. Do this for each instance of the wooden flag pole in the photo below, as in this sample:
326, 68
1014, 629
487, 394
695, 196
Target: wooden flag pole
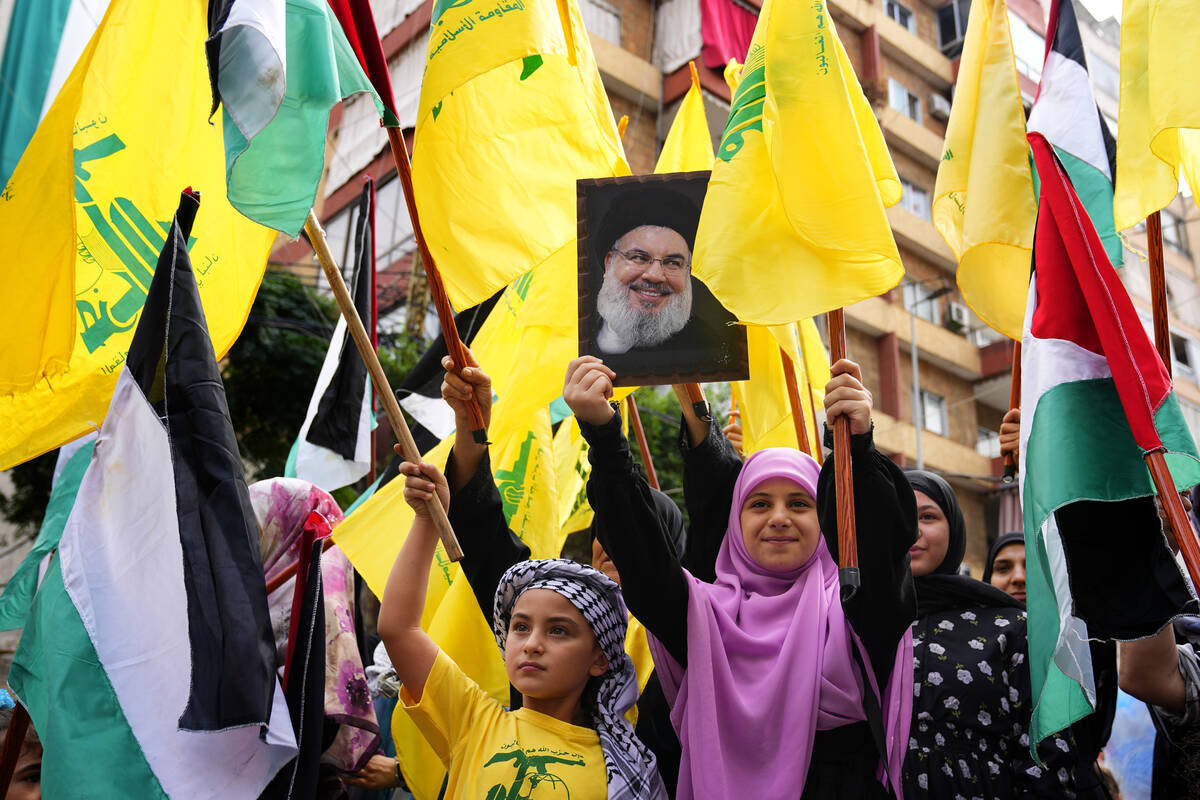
14, 739
812, 399
1177, 517
354, 325
793, 392
635, 420
843, 477
437, 288
1158, 290
699, 403
1014, 401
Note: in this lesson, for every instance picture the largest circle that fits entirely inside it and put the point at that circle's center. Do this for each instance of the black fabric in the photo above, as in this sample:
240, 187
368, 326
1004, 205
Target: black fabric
335, 425
1124, 581
1000, 543
843, 766
425, 379
710, 469
971, 707
672, 519
171, 356
305, 691
218, 12
944, 589
647, 205
1067, 41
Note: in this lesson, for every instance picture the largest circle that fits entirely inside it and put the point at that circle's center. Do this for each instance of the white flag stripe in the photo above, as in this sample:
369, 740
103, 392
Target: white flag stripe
1065, 112
122, 565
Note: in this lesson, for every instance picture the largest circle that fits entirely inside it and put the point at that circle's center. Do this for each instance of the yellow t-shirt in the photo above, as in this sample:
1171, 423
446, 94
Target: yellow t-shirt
493, 754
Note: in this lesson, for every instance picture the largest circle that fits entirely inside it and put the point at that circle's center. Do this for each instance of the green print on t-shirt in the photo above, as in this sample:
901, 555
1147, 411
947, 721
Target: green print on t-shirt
533, 780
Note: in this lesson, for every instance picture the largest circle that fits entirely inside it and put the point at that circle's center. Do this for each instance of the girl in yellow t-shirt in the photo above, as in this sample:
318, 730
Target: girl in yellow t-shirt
561, 628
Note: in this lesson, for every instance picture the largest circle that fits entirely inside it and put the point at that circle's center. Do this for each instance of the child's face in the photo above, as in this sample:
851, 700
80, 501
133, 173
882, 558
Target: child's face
779, 525
551, 650
27, 777
933, 536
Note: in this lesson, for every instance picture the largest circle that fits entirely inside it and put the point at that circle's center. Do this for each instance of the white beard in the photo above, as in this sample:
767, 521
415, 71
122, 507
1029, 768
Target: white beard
626, 327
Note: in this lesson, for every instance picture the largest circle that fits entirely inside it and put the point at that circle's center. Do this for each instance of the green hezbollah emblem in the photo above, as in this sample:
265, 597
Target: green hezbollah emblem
442, 6
511, 482
746, 110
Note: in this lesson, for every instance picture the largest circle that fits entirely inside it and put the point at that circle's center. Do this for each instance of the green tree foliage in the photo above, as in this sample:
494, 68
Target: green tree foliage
269, 378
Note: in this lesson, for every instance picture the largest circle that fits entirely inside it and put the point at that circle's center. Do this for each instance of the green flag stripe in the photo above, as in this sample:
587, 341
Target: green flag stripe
18, 594
1096, 193
89, 749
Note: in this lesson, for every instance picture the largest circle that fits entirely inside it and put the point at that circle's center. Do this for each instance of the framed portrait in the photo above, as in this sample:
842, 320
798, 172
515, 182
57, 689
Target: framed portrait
640, 309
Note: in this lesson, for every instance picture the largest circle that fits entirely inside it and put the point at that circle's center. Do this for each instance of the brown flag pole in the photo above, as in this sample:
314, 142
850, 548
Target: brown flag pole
699, 402
635, 420
1168, 495
1014, 401
793, 392
362, 341
843, 476
14, 740
812, 399
437, 287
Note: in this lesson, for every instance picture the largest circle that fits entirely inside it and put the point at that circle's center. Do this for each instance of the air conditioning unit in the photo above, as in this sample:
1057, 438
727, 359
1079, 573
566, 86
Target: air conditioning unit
939, 107
958, 314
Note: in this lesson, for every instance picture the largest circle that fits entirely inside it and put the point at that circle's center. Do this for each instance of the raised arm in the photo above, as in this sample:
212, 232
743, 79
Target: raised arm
885, 514
710, 469
410, 648
1150, 671
476, 510
626, 523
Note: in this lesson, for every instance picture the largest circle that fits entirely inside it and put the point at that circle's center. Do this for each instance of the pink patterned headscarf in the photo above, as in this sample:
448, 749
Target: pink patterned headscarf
285, 507
769, 663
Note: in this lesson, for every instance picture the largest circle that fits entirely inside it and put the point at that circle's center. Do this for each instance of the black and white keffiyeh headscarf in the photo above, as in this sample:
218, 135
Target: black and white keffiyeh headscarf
632, 772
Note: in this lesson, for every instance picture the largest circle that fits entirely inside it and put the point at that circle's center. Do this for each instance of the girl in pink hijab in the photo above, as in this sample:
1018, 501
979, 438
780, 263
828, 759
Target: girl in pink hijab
778, 688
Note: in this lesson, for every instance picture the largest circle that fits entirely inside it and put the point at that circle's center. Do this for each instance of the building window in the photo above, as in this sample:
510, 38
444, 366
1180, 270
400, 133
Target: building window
904, 101
915, 200
918, 302
1174, 235
987, 443
1181, 353
933, 412
902, 14
952, 26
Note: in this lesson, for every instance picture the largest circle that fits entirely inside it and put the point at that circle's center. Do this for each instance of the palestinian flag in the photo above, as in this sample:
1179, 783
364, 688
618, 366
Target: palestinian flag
277, 68
1095, 398
334, 446
147, 662
1065, 112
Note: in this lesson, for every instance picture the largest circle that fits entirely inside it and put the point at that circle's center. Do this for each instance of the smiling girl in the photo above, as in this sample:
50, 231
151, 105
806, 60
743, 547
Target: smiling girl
778, 689
561, 629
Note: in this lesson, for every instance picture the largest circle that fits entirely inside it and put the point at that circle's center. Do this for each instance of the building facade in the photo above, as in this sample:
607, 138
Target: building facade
905, 53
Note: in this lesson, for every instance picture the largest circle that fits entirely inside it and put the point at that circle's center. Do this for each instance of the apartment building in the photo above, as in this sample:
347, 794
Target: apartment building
904, 53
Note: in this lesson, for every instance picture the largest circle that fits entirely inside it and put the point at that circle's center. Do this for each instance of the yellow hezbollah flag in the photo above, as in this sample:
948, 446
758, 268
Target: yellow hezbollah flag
1160, 106
120, 142
512, 112
766, 413
793, 223
689, 145
984, 205
572, 468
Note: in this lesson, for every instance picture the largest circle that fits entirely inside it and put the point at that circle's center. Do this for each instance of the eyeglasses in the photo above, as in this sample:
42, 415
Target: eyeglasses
642, 259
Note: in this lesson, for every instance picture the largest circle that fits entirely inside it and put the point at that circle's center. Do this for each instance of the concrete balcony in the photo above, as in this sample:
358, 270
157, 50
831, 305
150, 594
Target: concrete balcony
626, 75
937, 346
911, 137
921, 237
898, 436
895, 41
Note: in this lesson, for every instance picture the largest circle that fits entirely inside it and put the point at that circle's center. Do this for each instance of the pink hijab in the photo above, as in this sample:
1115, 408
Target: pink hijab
770, 664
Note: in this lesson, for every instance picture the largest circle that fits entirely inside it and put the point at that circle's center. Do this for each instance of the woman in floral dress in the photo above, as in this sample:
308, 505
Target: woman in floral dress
971, 698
